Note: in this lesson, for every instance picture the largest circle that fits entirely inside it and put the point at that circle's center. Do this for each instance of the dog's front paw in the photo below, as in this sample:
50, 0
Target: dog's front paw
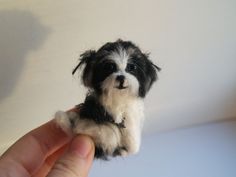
119, 120
63, 121
120, 151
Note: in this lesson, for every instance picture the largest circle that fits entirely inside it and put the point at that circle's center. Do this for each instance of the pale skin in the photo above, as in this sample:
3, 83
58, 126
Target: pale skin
48, 152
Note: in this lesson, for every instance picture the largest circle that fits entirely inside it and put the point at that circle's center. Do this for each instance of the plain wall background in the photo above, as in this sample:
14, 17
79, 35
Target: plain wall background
203, 151
194, 41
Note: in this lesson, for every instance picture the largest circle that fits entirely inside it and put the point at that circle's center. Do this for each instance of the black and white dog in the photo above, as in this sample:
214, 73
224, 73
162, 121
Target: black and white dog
118, 77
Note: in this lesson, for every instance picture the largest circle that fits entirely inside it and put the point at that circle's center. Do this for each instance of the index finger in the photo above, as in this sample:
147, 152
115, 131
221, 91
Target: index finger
31, 150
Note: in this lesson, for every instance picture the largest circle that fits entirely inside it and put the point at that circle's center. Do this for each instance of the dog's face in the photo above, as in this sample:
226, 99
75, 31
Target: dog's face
119, 66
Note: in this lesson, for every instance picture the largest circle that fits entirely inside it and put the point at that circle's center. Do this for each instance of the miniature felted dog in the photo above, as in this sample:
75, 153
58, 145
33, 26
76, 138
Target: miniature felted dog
118, 77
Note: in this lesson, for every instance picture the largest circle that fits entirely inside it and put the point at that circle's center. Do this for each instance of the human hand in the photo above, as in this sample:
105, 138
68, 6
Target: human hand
48, 151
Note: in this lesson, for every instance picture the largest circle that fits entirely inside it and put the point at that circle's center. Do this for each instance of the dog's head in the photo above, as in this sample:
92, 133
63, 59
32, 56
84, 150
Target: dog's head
120, 66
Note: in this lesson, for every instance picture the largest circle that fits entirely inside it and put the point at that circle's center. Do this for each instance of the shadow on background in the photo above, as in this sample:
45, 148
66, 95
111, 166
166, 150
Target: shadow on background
20, 33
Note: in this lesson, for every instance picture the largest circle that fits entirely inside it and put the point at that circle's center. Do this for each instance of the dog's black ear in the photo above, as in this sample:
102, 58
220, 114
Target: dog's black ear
86, 60
151, 74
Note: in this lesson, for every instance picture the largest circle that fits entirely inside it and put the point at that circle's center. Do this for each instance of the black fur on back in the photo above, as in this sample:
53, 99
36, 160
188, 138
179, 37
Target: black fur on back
93, 110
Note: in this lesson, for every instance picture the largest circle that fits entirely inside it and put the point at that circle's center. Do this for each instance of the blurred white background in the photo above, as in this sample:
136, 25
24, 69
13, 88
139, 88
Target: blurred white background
193, 41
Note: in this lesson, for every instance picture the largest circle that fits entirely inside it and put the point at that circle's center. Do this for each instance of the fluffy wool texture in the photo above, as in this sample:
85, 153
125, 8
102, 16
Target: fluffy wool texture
118, 77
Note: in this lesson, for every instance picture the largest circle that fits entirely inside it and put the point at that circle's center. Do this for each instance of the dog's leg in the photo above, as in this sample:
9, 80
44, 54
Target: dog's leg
131, 134
107, 136
131, 140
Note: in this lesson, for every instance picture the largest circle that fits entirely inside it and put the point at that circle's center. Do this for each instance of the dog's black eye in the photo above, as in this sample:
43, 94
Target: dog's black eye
110, 67
131, 67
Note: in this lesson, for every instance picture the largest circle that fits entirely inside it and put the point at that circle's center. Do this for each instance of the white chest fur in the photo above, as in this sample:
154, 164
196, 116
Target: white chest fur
129, 109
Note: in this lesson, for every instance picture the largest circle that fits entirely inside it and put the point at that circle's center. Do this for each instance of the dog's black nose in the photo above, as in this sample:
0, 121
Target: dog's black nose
121, 79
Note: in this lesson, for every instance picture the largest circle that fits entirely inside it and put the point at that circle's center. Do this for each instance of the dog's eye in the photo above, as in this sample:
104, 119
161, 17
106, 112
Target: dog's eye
131, 67
110, 67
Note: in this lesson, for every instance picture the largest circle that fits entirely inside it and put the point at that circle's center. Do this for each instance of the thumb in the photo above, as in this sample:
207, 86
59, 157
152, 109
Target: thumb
77, 160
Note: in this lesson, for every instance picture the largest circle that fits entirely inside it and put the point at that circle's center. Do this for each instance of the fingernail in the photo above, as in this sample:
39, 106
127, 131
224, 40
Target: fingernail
81, 145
